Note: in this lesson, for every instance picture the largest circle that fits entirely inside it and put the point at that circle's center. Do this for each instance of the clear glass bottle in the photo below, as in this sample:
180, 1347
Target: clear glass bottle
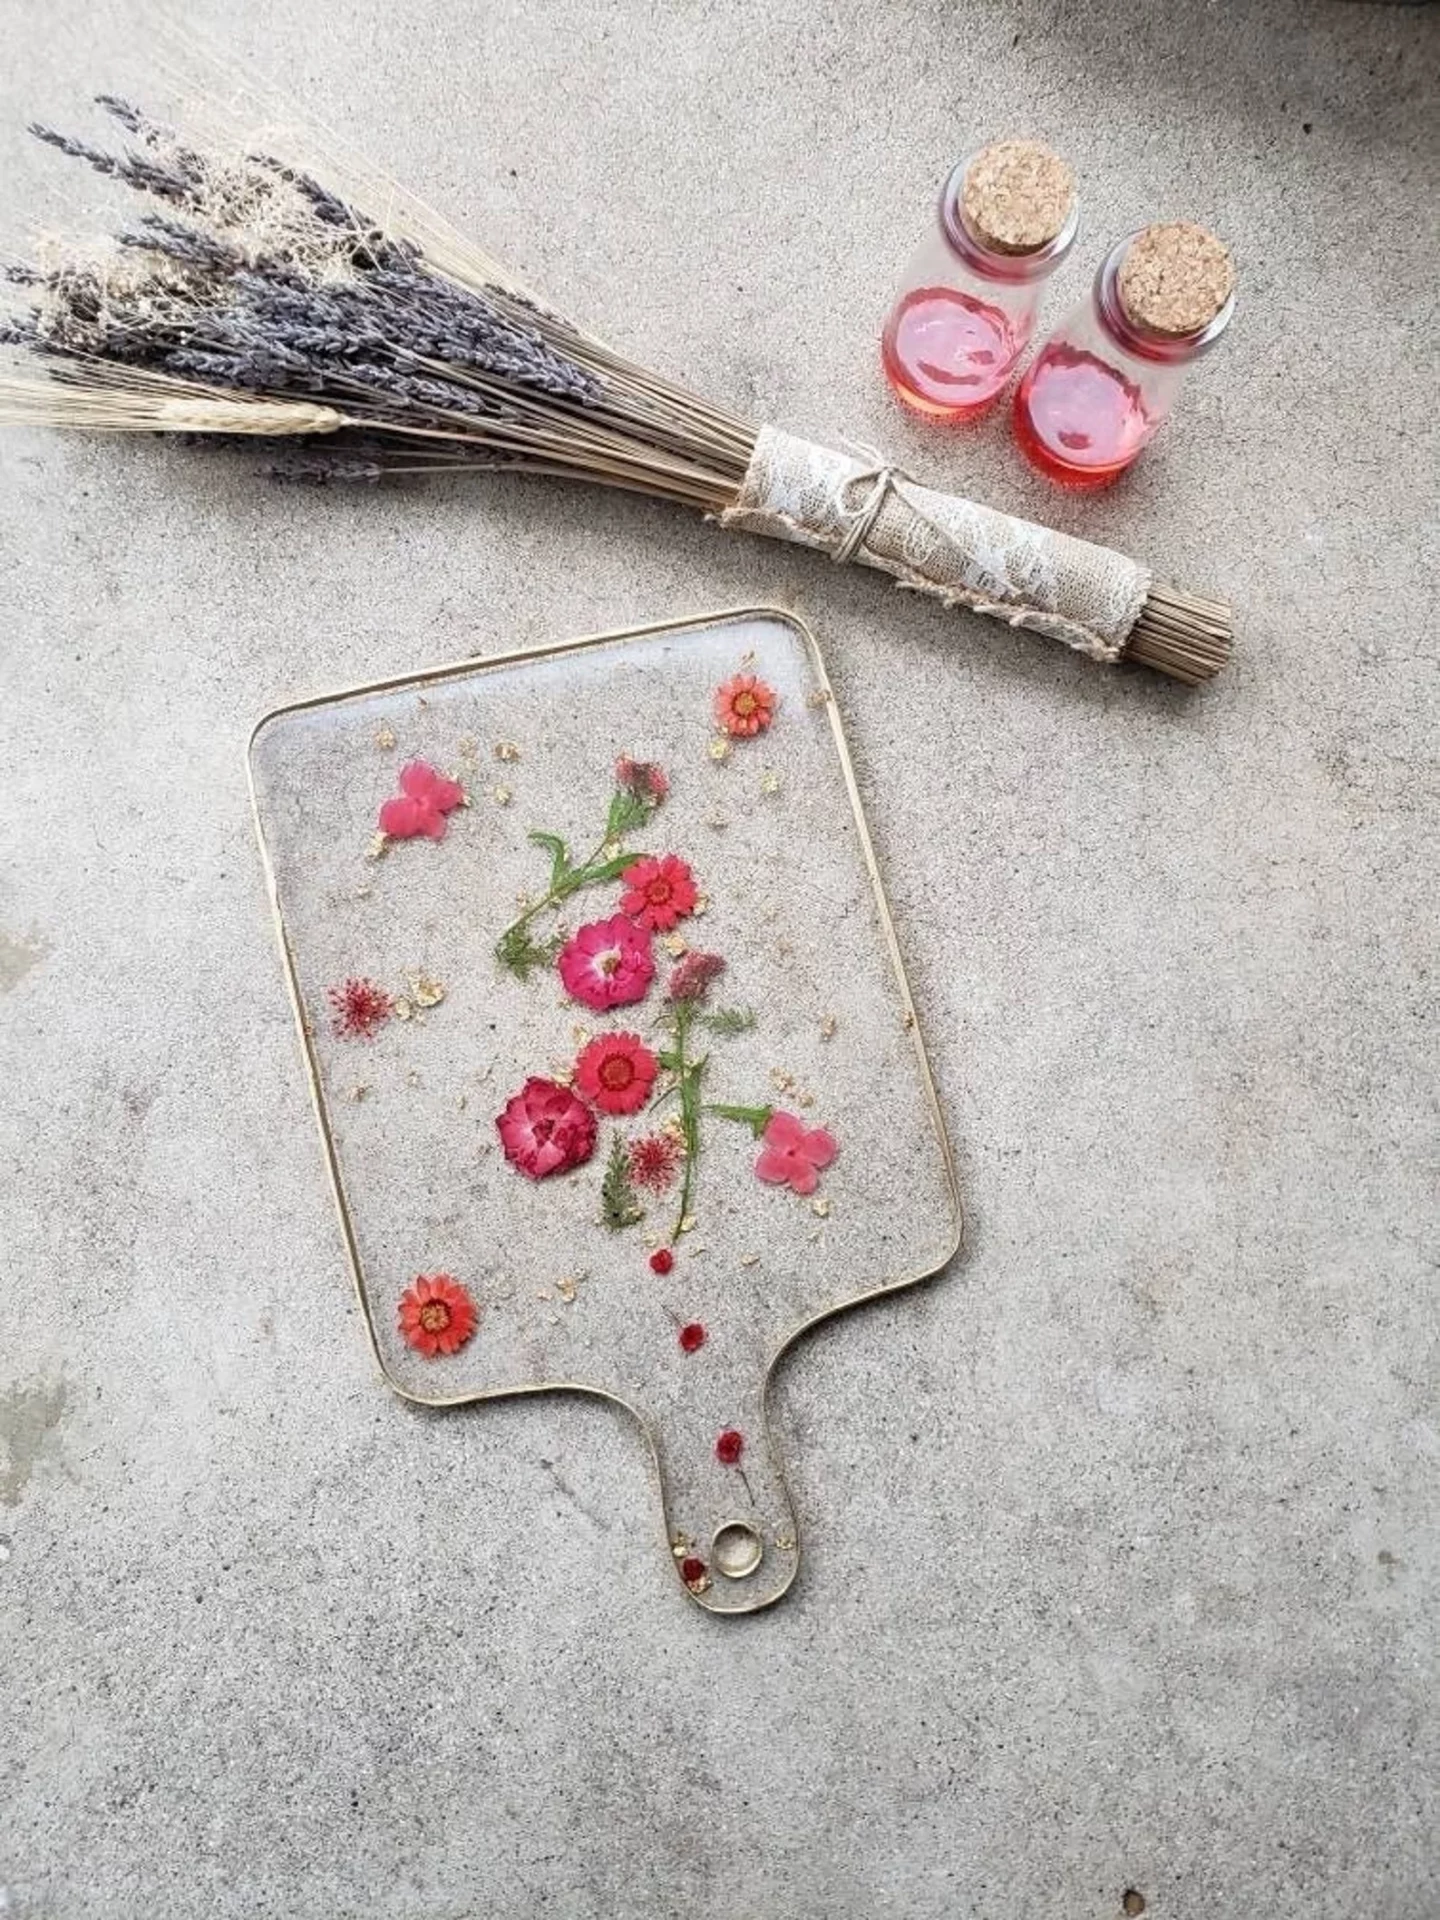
1107, 378
1006, 219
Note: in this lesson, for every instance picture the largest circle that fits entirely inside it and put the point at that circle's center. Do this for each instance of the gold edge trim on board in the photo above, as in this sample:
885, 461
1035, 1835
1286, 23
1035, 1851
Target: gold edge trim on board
430, 676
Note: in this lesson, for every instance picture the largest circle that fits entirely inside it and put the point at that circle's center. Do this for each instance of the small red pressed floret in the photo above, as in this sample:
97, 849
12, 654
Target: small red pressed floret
693, 1570
662, 1260
729, 1447
693, 978
692, 1337
358, 1009
424, 799
437, 1315
655, 1160
643, 778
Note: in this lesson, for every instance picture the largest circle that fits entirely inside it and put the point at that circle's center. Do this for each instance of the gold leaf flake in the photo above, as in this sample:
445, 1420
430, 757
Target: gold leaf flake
402, 1009
466, 748
463, 1102
675, 944
424, 991
818, 697
566, 1286
769, 782
820, 1207
687, 1225
702, 1585
357, 1093
378, 847
507, 751
720, 748
908, 1022
543, 1293
502, 796
679, 1545
384, 736
804, 1099
610, 849
785, 1542
362, 893
828, 1026
702, 903
412, 1078
749, 1259
780, 1080
719, 821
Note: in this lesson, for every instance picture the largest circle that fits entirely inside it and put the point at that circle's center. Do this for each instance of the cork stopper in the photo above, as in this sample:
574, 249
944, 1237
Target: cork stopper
1017, 195
1175, 278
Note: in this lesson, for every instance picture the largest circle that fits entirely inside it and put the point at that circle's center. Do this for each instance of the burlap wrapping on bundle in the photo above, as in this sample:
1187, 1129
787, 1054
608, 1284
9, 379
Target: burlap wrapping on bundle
1086, 596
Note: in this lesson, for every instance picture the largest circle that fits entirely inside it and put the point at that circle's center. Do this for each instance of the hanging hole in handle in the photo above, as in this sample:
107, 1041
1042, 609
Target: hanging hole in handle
736, 1551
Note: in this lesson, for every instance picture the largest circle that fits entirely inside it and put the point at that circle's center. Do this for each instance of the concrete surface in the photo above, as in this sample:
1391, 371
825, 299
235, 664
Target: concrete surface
1122, 1545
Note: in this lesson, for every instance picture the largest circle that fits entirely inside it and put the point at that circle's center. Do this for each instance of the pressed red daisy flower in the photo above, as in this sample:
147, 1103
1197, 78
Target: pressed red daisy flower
655, 1160
693, 1571
793, 1154
658, 893
608, 963
692, 1337
424, 799
544, 1129
693, 978
662, 1260
729, 1447
615, 1072
744, 706
358, 1009
643, 778
437, 1315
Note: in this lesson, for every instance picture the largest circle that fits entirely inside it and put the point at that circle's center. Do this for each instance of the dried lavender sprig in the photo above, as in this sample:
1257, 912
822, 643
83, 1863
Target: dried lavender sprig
204, 251
134, 169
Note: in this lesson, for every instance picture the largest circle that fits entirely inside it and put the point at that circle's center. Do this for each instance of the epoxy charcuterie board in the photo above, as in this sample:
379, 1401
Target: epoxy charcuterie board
613, 1056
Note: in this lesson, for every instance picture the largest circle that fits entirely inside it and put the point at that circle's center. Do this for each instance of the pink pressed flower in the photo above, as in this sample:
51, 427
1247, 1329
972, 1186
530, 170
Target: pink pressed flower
744, 706
544, 1129
794, 1154
695, 976
729, 1446
424, 799
615, 1072
608, 963
658, 893
643, 778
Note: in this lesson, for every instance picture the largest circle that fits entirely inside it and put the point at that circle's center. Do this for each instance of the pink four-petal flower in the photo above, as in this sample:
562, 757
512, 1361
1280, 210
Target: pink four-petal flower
424, 799
792, 1154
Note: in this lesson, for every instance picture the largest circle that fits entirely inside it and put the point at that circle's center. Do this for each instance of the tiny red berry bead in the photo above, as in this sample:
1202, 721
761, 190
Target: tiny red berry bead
692, 1570
729, 1447
692, 1336
662, 1260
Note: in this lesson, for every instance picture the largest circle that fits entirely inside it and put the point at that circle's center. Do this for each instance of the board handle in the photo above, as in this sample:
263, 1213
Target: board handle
728, 1516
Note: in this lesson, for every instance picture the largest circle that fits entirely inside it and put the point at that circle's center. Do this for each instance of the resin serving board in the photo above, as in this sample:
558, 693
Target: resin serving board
578, 1152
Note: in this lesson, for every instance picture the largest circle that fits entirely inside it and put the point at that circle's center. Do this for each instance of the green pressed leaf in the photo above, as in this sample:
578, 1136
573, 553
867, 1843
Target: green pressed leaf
756, 1118
619, 1207
729, 1019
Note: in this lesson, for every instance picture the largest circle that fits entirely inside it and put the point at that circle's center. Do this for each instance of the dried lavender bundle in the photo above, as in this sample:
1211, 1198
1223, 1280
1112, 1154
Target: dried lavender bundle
255, 300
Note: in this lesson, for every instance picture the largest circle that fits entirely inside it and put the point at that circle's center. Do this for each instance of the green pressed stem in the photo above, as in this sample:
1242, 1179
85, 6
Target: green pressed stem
687, 1080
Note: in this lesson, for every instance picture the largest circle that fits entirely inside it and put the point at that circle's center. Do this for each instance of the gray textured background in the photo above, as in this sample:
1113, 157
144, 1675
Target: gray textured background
1122, 1546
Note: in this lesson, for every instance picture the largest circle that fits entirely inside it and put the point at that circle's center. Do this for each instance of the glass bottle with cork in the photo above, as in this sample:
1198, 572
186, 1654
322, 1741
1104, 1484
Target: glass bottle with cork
1006, 219
1108, 376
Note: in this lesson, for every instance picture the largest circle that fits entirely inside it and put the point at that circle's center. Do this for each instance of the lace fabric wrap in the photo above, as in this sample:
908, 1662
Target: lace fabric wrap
937, 543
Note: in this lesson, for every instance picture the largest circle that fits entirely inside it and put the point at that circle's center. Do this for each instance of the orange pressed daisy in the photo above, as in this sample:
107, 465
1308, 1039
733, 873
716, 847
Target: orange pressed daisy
437, 1315
744, 706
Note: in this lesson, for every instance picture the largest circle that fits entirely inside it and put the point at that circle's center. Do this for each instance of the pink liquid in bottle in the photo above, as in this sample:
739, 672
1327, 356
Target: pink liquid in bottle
946, 353
1078, 420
